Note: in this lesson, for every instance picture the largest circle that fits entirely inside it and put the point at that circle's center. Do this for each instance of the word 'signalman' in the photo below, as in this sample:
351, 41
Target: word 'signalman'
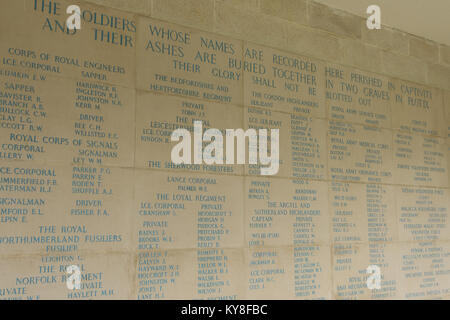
213, 152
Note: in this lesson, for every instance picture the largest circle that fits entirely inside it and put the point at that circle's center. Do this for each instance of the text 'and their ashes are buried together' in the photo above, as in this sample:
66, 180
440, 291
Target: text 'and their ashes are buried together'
172, 42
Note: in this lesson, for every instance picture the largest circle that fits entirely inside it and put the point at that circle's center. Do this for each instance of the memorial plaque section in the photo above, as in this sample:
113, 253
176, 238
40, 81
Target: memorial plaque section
87, 177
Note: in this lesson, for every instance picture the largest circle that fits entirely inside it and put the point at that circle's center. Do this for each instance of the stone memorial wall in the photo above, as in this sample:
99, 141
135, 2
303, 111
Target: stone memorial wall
86, 176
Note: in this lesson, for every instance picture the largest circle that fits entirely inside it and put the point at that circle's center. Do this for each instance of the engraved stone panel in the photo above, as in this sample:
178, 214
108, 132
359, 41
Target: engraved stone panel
56, 120
157, 117
357, 96
362, 213
35, 42
425, 270
287, 233
283, 212
364, 228
420, 160
281, 81
87, 175
183, 61
44, 277
66, 107
350, 262
302, 143
422, 213
299, 272
186, 227
359, 153
185, 211
417, 109
214, 274
64, 209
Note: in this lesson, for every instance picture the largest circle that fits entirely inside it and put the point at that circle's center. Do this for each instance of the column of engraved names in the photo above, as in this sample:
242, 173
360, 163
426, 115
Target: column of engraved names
188, 229
277, 257
424, 228
280, 83
72, 208
360, 150
363, 229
